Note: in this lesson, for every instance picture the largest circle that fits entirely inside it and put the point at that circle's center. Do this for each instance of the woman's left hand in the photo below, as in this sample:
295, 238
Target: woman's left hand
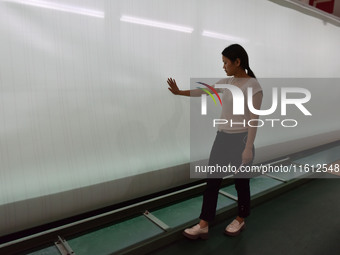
247, 156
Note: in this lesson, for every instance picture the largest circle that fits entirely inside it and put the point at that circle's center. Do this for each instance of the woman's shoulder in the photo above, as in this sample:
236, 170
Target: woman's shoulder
253, 82
224, 81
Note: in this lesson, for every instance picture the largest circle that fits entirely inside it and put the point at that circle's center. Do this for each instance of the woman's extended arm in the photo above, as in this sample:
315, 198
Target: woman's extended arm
247, 154
189, 93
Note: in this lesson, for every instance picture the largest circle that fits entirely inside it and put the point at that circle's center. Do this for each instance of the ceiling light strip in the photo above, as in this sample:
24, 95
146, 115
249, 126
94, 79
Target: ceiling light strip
223, 36
59, 7
157, 24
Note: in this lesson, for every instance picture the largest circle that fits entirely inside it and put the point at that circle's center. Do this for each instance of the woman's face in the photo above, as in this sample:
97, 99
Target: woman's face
229, 67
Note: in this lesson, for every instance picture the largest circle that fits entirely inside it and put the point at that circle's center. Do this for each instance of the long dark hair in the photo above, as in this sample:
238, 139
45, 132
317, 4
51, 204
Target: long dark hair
235, 51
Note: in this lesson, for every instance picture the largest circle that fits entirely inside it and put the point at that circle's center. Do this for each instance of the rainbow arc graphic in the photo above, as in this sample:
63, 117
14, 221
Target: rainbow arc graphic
208, 92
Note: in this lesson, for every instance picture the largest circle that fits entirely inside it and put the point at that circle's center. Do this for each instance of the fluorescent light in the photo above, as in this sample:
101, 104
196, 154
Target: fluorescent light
152, 23
59, 7
223, 36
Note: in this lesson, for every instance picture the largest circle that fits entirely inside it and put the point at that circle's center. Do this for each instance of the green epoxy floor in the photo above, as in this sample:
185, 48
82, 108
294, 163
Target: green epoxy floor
110, 239
257, 185
296, 222
303, 221
181, 213
47, 251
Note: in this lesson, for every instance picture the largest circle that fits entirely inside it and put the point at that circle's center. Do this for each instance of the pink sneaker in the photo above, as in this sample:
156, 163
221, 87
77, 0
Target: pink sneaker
196, 232
234, 228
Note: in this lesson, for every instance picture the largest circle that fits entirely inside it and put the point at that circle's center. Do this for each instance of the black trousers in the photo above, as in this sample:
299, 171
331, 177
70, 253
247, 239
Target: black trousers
227, 149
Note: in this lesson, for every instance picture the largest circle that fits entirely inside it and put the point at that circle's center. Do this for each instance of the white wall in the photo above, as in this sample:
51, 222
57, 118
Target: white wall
84, 99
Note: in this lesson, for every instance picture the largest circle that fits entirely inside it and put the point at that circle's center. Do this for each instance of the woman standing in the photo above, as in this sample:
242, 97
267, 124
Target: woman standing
234, 144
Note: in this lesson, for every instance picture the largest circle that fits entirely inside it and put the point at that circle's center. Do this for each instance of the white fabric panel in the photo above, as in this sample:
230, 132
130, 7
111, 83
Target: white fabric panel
83, 95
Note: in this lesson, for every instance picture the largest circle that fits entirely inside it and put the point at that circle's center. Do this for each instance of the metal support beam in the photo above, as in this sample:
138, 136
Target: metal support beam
157, 221
63, 247
275, 177
228, 195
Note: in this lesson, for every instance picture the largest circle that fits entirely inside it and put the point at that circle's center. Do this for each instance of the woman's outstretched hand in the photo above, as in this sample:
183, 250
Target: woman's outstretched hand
173, 86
